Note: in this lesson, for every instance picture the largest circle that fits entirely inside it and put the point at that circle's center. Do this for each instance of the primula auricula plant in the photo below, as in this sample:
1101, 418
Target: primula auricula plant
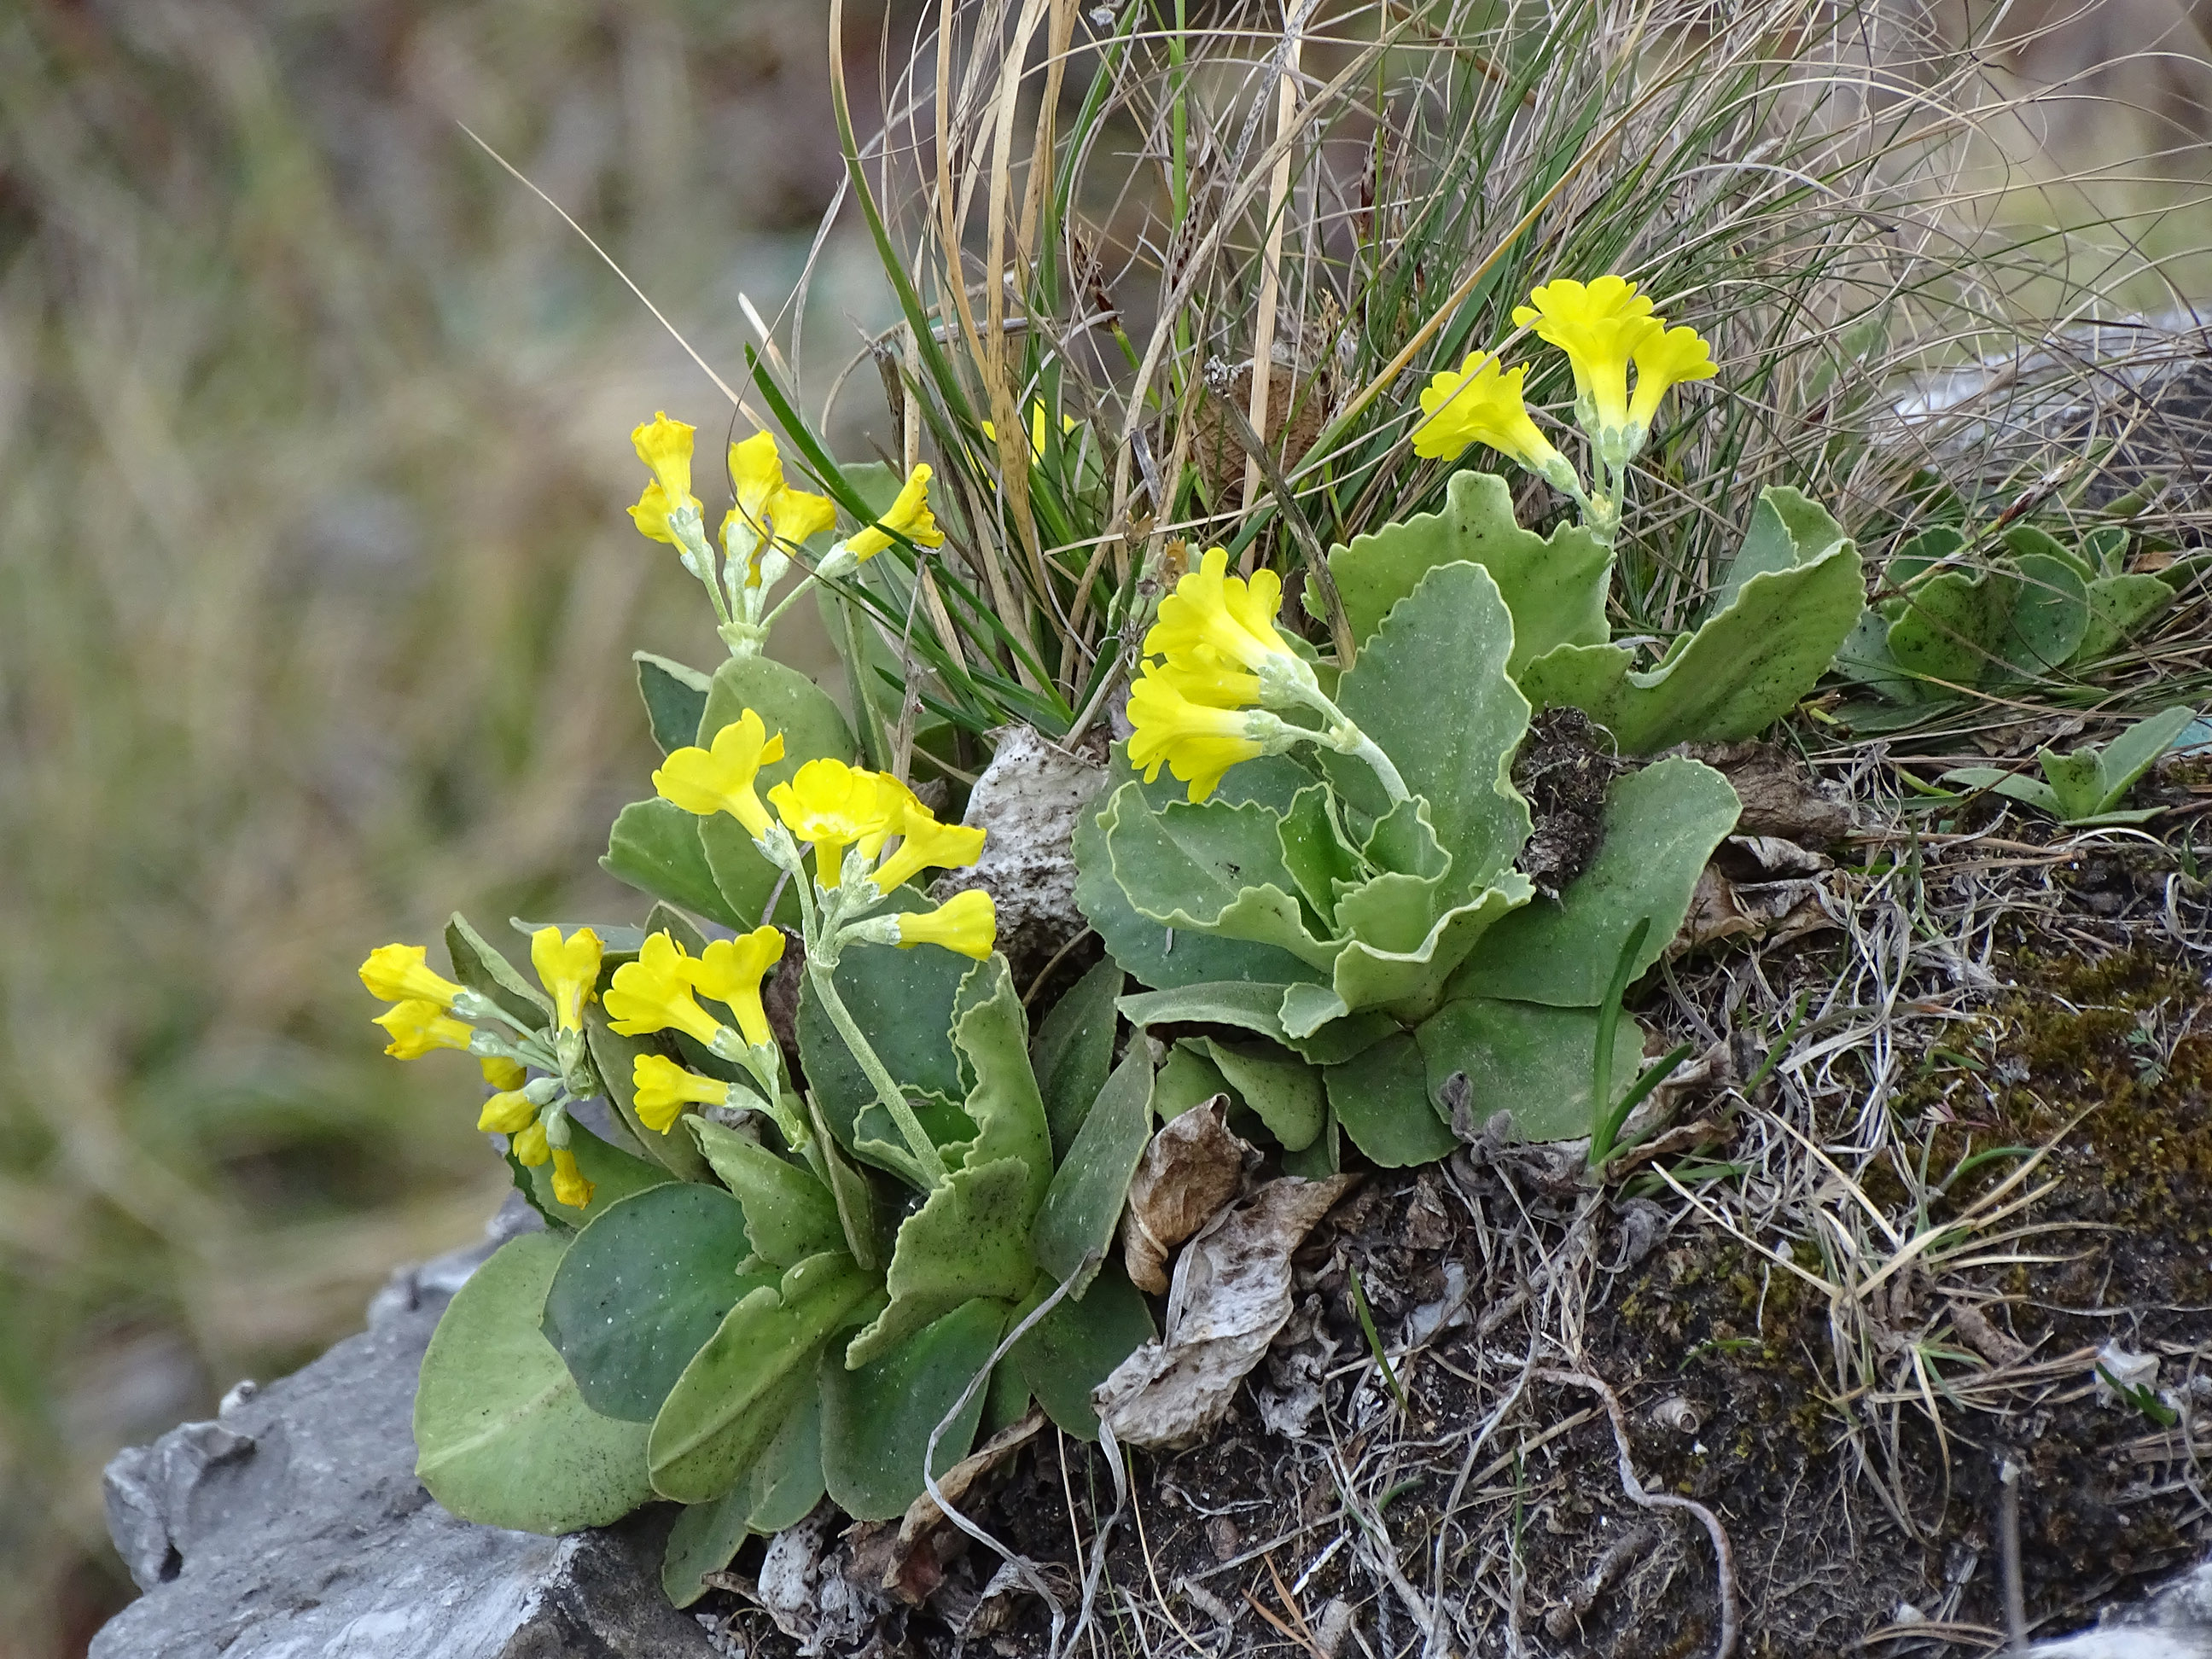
802, 1251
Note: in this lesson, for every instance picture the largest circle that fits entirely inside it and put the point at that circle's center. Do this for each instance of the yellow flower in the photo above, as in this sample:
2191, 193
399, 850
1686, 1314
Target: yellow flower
650, 515
500, 1072
756, 477
798, 516
418, 1026
569, 969
508, 1113
395, 973
909, 516
1481, 405
1667, 360
833, 805
705, 781
664, 1089
926, 844
730, 972
529, 1145
1211, 611
968, 923
1197, 740
666, 446
1037, 430
569, 1186
1600, 327
654, 993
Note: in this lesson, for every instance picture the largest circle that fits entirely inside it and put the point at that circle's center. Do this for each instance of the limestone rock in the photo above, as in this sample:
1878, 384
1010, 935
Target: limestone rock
1028, 800
293, 1526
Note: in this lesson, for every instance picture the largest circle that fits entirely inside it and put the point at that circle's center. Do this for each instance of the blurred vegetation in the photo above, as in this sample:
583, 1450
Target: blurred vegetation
316, 602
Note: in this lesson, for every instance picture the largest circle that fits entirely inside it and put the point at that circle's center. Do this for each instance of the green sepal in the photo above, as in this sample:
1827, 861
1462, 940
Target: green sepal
1524, 1058
642, 1290
789, 1213
1741, 671
876, 1419
503, 1437
1073, 1051
734, 1398
487, 973
675, 696
1554, 587
1660, 825
1074, 1228
1383, 1103
1076, 1346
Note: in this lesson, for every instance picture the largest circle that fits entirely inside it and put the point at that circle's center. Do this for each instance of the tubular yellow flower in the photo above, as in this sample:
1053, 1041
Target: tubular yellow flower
1211, 611
569, 1186
967, 923
833, 805
1480, 405
797, 515
664, 446
1600, 327
654, 993
569, 969
501, 1073
530, 1145
650, 515
419, 1026
730, 972
395, 973
926, 844
1037, 430
756, 477
893, 801
1665, 361
705, 781
508, 1113
664, 1089
1197, 741
909, 516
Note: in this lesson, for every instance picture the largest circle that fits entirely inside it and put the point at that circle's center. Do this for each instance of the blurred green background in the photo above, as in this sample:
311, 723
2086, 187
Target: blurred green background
316, 604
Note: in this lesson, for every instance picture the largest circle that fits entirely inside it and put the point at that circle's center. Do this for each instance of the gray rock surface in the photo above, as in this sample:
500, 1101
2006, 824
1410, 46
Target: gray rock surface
293, 1526
1028, 799
2173, 1622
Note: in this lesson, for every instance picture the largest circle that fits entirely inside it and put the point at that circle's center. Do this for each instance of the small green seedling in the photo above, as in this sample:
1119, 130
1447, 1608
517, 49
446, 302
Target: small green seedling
2086, 787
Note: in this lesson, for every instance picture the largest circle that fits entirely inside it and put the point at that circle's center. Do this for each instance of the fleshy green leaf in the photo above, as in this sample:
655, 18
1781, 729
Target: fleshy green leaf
970, 1238
1233, 1002
1157, 955
2133, 752
1074, 1051
2048, 619
654, 846
487, 973
2032, 791
1431, 688
502, 1436
780, 1490
1527, 1059
1189, 862
2073, 780
1409, 985
734, 1398
614, 1056
991, 1032
789, 1214
1947, 627
1075, 1227
1076, 1346
642, 1290
1788, 528
788, 704
1383, 1102
1555, 588
877, 1420
1186, 1077
1744, 669
675, 697
1283, 1091
2120, 606
1315, 853
1661, 823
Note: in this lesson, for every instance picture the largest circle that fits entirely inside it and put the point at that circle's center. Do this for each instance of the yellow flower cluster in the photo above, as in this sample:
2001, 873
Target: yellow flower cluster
421, 1021
658, 992
1215, 634
773, 511
1605, 327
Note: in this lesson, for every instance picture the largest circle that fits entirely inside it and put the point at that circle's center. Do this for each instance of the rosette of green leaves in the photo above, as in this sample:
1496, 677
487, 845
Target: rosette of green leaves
1791, 597
783, 1324
1330, 960
2029, 606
